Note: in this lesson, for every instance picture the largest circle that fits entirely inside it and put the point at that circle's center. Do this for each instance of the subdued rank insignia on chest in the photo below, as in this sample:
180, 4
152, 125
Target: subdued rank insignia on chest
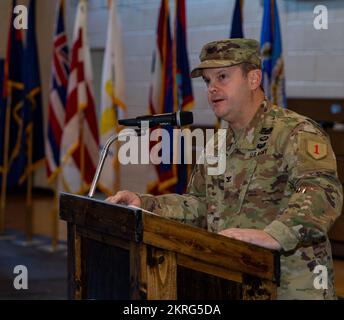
317, 150
266, 130
261, 145
264, 138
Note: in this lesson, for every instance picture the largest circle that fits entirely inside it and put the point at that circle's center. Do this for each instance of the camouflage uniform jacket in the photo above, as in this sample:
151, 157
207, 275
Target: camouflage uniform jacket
280, 177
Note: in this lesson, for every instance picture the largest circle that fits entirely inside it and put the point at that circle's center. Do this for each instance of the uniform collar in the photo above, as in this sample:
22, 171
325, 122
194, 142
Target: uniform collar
247, 138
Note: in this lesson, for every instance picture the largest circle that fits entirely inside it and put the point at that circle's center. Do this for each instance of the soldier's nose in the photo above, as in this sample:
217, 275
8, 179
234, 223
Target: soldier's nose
212, 89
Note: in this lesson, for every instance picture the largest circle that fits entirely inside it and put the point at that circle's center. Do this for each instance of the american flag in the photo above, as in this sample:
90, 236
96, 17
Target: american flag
58, 95
80, 141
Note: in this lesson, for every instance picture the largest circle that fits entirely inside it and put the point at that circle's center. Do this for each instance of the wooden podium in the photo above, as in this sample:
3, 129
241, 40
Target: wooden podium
116, 252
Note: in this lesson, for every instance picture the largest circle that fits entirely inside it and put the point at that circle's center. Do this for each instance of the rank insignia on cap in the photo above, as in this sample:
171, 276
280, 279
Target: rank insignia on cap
317, 150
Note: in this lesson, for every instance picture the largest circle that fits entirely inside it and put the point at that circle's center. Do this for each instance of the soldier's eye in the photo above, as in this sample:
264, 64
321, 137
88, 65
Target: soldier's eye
206, 81
222, 76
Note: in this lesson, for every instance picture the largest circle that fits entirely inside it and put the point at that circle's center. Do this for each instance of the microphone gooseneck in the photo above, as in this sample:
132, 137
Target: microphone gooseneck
136, 132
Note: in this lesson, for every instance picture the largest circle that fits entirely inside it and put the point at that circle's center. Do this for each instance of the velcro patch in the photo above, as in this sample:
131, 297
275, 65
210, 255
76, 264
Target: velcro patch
316, 150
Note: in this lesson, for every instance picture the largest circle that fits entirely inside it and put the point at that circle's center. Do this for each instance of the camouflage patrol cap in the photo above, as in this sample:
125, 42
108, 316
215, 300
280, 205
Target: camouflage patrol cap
226, 53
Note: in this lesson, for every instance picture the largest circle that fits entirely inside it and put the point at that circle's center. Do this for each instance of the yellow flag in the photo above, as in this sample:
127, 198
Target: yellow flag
112, 100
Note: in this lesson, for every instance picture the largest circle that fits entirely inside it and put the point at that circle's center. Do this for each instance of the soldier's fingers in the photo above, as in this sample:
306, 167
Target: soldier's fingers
111, 199
228, 233
235, 234
116, 198
125, 196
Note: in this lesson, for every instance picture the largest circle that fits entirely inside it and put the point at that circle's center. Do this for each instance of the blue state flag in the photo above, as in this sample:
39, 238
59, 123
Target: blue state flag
237, 20
32, 139
13, 106
272, 58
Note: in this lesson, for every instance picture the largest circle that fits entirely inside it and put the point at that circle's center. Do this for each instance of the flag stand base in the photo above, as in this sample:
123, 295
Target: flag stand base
27, 243
51, 249
7, 237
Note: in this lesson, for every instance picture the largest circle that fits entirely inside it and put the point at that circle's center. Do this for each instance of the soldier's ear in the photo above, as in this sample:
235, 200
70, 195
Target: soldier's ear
254, 78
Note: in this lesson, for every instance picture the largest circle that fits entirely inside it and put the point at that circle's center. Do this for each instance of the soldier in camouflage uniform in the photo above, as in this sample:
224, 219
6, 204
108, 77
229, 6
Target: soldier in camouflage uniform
280, 189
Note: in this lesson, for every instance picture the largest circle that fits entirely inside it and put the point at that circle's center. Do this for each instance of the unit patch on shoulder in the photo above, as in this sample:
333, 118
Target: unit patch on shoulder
316, 149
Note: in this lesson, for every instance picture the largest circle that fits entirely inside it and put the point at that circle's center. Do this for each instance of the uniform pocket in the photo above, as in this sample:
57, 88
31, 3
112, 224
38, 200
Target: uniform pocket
236, 183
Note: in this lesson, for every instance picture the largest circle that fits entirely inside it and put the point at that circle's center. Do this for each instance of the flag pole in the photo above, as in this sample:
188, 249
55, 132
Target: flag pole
55, 219
117, 182
82, 151
29, 212
117, 167
117, 144
54, 246
5, 164
116, 164
81, 119
176, 105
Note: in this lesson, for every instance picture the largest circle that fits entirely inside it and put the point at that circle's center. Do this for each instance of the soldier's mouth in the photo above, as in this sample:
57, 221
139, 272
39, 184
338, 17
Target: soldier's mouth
217, 100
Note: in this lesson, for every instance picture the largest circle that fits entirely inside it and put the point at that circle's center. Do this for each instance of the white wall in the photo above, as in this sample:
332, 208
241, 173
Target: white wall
314, 60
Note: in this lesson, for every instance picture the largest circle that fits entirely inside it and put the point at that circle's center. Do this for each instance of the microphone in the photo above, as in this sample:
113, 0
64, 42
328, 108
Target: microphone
179, 118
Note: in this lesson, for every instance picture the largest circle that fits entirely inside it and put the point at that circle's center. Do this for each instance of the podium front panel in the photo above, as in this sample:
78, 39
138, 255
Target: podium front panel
196, 285
106, 271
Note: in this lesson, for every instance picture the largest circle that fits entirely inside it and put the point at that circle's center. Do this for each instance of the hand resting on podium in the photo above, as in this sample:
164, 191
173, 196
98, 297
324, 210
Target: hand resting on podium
254, 236
125, 197
129, 199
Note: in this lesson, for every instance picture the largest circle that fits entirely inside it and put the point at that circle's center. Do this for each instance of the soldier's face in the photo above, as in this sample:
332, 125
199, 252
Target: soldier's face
228, 91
